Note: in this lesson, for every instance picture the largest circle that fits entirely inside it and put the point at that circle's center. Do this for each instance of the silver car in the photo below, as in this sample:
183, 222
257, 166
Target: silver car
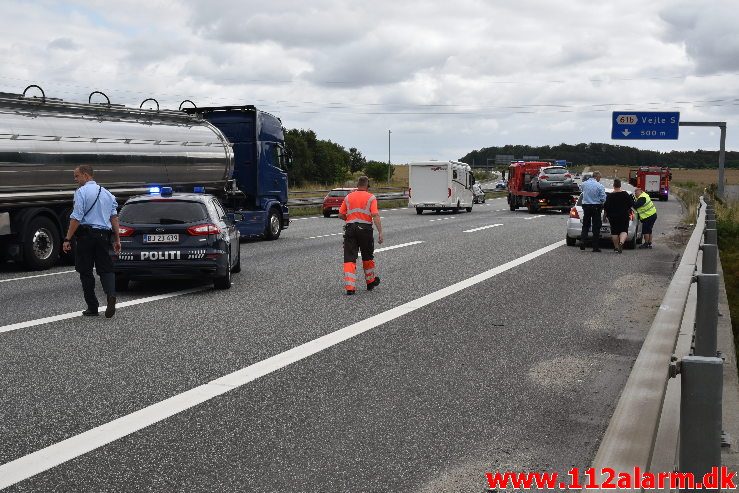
553, 178
574, 227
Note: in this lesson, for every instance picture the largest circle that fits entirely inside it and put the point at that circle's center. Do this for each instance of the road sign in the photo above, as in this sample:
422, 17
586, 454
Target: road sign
645, 125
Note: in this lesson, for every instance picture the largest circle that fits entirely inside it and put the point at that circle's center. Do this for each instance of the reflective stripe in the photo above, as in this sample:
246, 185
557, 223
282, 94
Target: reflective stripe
350, 274
369, 272
349, 282
355, 214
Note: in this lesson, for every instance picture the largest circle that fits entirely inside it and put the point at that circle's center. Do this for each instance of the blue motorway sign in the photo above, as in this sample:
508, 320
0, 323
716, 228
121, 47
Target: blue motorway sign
645, 125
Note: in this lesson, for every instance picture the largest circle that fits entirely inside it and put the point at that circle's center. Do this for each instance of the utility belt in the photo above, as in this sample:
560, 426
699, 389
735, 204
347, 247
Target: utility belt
357, 226
85, 231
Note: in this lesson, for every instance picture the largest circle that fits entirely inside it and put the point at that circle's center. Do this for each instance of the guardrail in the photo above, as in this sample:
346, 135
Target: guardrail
315, 197
669, 414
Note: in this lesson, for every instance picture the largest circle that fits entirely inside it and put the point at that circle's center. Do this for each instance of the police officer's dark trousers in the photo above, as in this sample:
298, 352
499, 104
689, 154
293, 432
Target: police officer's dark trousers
591, 215
93, 249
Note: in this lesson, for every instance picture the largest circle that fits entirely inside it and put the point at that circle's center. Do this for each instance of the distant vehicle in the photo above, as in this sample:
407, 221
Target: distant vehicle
478, 194
175, 236
522, 194
440, 185
654, 180
553, 178
574, 227
586, 176
333, 200
501, 185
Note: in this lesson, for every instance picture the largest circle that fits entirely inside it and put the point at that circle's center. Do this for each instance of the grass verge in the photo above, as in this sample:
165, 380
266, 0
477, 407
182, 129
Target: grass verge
727, 225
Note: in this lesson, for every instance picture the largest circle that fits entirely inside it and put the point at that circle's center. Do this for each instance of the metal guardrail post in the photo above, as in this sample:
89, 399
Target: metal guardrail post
700, 415
710, 259
706, 317
710, 236
710, 223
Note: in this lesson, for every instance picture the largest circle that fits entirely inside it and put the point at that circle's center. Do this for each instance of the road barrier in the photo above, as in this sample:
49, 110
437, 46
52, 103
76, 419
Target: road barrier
669, 414
315, 197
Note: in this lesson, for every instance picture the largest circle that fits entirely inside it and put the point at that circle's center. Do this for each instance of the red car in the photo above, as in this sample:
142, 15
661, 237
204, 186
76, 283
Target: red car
333, 200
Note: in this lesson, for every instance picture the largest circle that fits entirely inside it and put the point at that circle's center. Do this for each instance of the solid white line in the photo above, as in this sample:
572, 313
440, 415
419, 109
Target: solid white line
482, 227
65, 316
37, 275
533, 217
75, 446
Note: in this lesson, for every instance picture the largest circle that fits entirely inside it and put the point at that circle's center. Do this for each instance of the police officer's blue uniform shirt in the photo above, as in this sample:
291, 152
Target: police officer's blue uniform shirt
593, 192
99, 215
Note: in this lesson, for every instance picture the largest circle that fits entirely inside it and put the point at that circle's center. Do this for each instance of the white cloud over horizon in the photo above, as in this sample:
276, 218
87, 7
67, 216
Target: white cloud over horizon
447, 78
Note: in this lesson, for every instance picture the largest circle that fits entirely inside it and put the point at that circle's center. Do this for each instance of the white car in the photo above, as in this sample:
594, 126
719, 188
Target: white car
574, 227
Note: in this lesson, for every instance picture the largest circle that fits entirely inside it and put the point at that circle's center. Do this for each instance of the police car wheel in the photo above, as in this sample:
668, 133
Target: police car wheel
224, 282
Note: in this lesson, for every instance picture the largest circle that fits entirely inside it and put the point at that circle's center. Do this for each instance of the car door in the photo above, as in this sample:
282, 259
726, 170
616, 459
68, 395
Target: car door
228, 226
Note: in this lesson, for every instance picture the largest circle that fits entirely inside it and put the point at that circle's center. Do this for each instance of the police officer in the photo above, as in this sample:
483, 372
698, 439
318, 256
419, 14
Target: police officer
647, 215
359, 210
593, 197
93, 223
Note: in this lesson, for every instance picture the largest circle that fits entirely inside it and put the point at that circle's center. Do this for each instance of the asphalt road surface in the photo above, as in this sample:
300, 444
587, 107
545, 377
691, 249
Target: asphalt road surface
488, 346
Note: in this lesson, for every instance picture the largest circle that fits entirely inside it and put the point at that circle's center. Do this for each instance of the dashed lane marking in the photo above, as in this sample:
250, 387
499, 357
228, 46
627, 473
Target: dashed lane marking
533, 217
322, 236
482, 227
37, 275
443, 218
65, 316
75, 446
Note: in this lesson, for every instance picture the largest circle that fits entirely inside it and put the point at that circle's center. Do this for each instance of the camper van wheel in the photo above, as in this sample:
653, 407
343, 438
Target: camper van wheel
274, 225
468, 209
437, 211
419, 210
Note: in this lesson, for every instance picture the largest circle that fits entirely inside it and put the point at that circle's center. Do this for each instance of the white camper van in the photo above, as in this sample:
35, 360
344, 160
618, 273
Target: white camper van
440, 185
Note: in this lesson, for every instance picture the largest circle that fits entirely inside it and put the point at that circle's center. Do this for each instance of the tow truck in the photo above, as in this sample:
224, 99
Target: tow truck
521, 193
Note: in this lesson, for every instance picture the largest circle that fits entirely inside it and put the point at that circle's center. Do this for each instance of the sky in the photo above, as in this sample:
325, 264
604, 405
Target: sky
444, 77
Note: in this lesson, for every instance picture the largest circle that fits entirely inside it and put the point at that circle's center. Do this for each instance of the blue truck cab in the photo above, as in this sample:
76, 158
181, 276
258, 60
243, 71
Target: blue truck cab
260, 160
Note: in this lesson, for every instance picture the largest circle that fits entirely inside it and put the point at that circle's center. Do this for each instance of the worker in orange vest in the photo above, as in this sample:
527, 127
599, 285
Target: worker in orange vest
359, 210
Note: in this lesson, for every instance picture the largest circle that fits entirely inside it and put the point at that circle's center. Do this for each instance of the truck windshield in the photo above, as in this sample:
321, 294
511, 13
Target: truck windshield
165, 212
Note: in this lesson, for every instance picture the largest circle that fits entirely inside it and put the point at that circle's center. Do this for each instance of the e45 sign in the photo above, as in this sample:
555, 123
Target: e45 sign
643, 125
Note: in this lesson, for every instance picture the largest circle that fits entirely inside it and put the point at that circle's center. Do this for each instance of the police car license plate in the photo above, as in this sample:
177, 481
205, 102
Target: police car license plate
169, 238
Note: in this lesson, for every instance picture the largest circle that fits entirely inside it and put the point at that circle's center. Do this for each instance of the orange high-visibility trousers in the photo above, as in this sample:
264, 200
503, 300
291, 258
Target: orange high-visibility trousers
358, 237
369, 271
350, 276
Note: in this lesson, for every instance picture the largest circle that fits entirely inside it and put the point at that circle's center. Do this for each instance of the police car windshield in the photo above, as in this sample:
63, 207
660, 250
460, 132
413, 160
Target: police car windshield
163, 212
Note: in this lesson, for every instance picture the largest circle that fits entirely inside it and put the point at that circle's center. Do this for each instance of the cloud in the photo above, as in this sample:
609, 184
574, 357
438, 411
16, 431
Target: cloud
708, 32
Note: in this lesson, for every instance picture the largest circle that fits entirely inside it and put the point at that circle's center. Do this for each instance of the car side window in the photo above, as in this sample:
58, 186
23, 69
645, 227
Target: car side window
219, 209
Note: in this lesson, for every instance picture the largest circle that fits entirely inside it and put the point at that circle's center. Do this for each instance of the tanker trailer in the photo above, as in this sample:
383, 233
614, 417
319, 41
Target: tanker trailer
42, 140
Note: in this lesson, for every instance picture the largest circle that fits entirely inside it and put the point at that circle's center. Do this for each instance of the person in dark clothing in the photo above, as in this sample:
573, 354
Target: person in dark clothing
618, 205
593, 196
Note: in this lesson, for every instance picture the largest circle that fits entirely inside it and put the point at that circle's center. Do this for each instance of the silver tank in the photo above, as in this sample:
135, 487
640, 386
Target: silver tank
42, 142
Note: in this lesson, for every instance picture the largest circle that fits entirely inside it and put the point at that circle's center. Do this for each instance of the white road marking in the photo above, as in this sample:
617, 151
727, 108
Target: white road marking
303, 218
533, 217
482, 227
398, 246
75, 446
443, 218
322, 236
65, 316
37, 275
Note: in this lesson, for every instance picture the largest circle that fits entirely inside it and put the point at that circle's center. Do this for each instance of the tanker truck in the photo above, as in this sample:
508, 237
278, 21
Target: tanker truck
234, 152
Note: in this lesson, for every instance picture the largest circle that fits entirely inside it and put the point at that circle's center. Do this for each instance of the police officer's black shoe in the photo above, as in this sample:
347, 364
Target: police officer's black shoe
110, 309
349, 292
90, 312
596, 249
374, 283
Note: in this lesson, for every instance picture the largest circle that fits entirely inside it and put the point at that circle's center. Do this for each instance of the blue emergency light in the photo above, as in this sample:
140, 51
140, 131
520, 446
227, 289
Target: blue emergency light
154, 190
163, 191
199, 189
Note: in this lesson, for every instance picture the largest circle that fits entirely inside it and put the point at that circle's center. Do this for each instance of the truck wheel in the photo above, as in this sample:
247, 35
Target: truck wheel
571, 241
224, 282
419, 211
41, 243
468, 209
121, 283
274, 225
532, 208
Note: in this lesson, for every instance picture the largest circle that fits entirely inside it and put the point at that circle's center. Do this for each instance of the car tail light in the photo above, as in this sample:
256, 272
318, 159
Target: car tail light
203, 229
543, 177
448, 192
567, 175
574, 214
125, 231
631, 215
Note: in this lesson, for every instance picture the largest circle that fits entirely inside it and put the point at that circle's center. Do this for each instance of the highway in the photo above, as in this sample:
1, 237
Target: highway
489, 345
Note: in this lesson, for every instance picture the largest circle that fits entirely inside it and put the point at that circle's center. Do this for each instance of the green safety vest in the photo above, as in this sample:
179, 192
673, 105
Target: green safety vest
648, 209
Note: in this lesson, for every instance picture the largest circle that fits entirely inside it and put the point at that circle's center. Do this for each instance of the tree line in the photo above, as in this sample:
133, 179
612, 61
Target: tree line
606, 154
324, 162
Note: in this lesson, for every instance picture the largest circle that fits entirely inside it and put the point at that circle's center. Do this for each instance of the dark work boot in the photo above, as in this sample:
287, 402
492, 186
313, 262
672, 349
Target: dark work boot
110, 309
90, 312
373, 284
349, 292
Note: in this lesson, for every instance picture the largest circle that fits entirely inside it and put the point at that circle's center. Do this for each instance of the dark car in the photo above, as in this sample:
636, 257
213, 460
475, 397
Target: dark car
333, 200
176, 236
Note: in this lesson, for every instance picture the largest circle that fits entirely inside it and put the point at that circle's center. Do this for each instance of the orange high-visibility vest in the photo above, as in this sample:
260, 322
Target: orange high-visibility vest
359, 207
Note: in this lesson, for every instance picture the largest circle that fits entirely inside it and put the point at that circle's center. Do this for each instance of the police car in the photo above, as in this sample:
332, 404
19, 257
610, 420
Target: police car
176, 235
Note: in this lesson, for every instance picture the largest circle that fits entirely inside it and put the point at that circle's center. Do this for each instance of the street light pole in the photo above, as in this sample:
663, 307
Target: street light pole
388, 156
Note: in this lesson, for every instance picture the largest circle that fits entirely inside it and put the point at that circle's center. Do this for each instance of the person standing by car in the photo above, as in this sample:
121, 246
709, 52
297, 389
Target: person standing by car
647, 215
359, 210
618, 205
593, 197
93, 223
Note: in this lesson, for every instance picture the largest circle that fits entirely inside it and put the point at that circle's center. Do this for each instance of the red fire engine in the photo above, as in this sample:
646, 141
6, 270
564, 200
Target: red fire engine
655, 180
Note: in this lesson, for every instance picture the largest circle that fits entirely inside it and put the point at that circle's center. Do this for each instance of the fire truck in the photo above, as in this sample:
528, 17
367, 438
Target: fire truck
523, 177
655, 180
